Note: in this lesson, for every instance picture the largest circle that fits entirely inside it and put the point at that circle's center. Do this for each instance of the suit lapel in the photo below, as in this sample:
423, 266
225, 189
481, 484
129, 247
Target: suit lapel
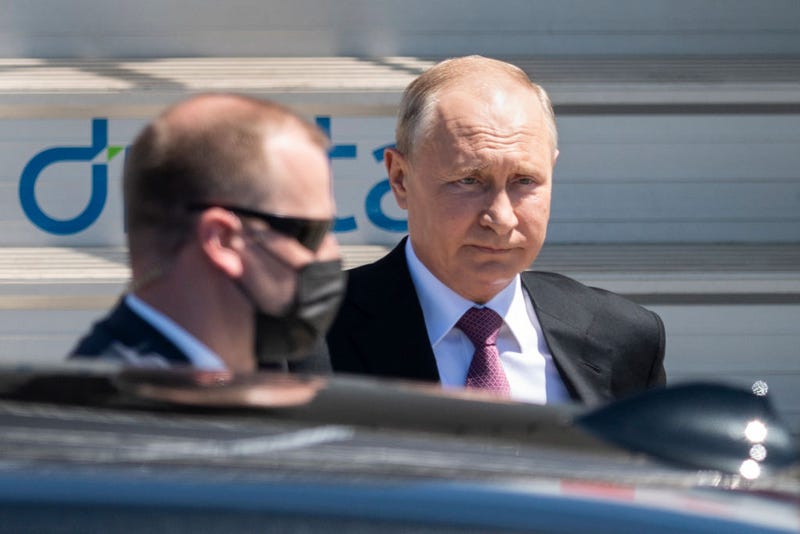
565, 324
393, 320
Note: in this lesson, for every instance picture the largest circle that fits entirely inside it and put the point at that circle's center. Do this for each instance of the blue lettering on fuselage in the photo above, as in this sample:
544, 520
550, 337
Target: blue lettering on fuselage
49, 156
99, 184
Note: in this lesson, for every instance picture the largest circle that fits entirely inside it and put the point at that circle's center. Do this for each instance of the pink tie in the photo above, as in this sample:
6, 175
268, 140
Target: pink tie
481, 326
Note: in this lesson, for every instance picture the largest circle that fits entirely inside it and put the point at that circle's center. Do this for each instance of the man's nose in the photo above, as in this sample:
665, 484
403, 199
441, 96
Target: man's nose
499, 214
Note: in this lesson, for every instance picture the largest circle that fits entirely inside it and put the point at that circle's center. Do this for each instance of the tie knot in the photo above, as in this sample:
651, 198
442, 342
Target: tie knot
481, 326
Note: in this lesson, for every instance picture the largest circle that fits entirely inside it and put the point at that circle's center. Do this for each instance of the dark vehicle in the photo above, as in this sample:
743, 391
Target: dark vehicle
99, 449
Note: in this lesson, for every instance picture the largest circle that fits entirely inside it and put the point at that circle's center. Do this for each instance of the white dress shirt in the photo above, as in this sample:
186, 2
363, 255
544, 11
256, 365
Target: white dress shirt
524, 354
200, 356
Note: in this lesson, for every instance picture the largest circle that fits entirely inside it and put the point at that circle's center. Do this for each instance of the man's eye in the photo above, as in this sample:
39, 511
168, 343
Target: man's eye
468, 181
526, 180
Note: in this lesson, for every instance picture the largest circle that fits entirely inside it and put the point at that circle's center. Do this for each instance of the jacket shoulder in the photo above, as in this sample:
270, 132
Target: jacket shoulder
96, 342
629, 335
124, 336
563, 293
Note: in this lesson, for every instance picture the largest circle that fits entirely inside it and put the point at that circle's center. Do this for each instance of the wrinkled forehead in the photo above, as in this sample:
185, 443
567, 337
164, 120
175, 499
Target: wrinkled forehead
476, 107
515, 105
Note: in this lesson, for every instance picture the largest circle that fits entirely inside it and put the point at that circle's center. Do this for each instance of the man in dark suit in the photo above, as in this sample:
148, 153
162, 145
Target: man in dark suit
476, 147
228, 210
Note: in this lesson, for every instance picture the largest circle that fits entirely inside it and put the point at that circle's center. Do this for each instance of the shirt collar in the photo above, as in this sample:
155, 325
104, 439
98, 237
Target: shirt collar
442, 307
199, 355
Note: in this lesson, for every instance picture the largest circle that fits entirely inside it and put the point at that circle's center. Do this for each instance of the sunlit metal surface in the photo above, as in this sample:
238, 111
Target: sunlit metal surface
102, 457
750, 469
760, 388
755, 432
699, 425
328, 446
758, 452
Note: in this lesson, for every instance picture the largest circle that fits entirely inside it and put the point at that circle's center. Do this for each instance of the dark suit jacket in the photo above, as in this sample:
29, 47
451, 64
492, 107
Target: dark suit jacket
123, 336
604, 346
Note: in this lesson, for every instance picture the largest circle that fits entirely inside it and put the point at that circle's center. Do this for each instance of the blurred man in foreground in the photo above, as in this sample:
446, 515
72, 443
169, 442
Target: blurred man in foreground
473, 166
228, 208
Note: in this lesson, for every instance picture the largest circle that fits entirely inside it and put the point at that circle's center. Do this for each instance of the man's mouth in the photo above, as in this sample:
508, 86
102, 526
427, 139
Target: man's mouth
491, 250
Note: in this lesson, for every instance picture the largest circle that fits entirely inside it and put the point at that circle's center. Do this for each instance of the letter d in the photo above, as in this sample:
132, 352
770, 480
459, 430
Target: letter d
27, 183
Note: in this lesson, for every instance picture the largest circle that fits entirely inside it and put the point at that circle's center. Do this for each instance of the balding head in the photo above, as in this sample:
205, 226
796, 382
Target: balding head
417, 108
207, 149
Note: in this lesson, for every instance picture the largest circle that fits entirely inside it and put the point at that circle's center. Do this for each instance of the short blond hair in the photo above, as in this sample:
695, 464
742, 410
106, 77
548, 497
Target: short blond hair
206, 149
419, 98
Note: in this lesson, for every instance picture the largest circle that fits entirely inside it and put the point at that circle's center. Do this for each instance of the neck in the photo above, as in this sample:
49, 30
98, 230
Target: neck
206, 305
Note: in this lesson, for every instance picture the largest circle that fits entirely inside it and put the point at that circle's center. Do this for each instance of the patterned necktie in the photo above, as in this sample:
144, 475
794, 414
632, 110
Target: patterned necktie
481, 326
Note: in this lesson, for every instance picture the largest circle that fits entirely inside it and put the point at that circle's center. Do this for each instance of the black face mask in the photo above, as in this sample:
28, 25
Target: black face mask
288, 337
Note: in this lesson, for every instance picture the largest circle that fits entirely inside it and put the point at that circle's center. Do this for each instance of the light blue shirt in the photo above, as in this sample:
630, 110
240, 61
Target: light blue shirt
524, 354
200, 356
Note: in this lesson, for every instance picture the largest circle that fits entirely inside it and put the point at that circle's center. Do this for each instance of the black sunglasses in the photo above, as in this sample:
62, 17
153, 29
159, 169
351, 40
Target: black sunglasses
308, 232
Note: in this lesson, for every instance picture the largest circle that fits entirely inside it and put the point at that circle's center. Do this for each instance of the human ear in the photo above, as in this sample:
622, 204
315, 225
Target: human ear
220, 235
396, 165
